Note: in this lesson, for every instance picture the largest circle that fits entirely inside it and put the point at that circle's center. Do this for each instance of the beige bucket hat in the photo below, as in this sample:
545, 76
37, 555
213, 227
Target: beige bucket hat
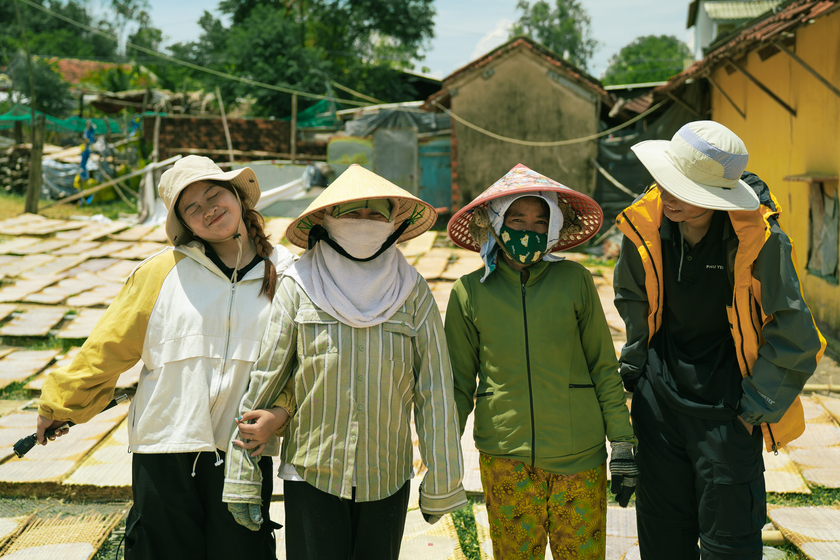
701, 165
357, 183
193, 169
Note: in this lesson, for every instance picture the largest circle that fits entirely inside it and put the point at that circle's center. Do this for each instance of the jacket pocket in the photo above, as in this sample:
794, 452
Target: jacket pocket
587, 420
317, 332
740, 500
398, 342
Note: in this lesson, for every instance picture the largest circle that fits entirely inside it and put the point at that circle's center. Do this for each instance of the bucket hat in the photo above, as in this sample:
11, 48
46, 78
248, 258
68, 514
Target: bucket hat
701, 165
582, 217
357, 183
193, 169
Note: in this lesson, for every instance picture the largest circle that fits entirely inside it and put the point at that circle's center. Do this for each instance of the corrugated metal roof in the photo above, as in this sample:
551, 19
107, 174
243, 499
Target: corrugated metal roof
753, 34
739, 10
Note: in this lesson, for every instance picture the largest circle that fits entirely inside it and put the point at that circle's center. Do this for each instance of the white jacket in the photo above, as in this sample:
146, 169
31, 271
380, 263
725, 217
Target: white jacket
198, 336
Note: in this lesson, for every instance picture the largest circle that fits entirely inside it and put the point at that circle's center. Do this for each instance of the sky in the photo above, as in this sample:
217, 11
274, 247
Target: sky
467, 29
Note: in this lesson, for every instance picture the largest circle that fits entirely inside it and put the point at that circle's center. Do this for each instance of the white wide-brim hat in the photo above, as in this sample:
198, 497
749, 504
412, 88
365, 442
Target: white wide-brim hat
357, 183
193, 169
701, 165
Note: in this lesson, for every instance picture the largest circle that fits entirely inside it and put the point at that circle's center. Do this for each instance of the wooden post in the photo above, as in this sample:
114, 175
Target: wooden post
293, 146
33, 190
18, 132
224, 124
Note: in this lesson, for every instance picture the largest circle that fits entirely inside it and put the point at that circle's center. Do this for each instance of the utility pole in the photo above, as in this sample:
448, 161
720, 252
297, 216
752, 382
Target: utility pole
36, 131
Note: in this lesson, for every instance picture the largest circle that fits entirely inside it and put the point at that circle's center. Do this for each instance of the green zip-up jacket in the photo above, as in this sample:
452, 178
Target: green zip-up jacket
538, 363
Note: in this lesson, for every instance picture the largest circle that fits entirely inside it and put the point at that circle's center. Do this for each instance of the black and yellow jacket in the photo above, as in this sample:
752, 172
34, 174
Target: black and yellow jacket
777, 342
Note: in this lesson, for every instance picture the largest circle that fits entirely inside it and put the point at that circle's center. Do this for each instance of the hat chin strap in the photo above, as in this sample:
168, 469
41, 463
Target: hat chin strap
237, 236
319, 233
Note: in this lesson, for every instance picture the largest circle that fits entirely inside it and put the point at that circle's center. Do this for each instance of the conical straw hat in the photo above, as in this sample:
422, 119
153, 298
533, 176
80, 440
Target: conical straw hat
582, 217
357, 183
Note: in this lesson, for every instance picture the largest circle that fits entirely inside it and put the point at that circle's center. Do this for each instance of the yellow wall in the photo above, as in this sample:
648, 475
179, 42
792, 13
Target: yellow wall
519, 100
781, 145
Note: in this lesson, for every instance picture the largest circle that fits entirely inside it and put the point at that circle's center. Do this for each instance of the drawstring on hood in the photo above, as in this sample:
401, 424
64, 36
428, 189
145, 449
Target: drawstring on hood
682, 253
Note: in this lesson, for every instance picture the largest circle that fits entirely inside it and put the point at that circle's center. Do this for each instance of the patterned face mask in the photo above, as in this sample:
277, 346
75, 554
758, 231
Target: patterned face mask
526, 247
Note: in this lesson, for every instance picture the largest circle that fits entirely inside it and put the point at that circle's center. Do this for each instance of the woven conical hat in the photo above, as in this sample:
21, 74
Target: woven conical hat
357, 183
582, 217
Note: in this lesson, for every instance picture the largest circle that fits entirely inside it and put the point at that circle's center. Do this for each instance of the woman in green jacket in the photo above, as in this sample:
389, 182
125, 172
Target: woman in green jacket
531, 350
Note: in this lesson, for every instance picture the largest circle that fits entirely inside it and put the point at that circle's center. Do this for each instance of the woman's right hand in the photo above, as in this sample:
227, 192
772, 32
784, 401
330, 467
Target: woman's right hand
45, 424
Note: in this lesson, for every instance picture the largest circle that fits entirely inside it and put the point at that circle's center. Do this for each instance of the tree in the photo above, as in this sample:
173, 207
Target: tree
564, 28
52, 94
651, 58
306, 46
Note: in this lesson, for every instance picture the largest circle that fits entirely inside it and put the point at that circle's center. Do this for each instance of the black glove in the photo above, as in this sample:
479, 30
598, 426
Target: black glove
623, 471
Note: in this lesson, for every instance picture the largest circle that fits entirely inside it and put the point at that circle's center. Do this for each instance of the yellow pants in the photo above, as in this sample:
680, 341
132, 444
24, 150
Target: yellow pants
528, 508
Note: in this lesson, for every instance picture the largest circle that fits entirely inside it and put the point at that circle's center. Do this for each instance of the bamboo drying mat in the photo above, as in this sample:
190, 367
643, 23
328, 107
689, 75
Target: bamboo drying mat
422, 541
12, 246
468, 261
6, 309
65, 538
105, 474
44, 467
22, 264
56, 267
440, 291
43, 246
781, 475
33, 224
92, 231
814, 530
820, 441
37, 382
82, 325
275, 228
140, 251
57, 293
34, 322
432, 264
22, 364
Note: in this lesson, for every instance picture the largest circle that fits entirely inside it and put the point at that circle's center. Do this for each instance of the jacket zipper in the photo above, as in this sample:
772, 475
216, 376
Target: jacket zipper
227, 348
652, 262
530, 388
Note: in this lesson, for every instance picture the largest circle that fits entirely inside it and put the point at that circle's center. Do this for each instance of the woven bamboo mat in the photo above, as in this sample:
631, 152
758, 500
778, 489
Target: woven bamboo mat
34, 322
135, 233
93, 231
19, 365
830, 404
7, 406
781, 475
432, 264
814, 530
472, 471
100, 295
53, 462
468, 261
55, 267
108, 248
277, 513
430, 542
6, 309
622, 533
62, 290
18, 220
22, 264
65, 538
140, 251
12, 246
441, 291
607, 296
421, 244
130, 377
119, 271
92, 265
24, 287
10, 527
275, 227
158, 235
814, 411
78, 248
105, 473
43, 246
482, 529
64, 360
40, 226
82, 325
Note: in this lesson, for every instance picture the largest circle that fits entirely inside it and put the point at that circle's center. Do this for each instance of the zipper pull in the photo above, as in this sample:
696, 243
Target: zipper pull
523, 290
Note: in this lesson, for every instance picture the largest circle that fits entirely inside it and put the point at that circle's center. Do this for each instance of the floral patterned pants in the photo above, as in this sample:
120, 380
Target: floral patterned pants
528, 508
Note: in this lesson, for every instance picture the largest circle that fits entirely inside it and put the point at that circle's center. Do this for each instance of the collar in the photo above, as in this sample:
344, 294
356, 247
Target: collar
720, 228
537, 270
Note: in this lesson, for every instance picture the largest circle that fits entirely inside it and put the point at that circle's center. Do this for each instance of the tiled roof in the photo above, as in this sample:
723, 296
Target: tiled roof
739, 10
754, 34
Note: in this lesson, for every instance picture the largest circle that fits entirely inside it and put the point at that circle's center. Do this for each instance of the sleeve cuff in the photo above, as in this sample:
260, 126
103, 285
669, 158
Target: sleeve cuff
242, 492
442, 504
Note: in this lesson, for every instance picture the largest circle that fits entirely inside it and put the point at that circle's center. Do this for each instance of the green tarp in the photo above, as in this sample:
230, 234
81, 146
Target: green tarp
21, 113
318, 115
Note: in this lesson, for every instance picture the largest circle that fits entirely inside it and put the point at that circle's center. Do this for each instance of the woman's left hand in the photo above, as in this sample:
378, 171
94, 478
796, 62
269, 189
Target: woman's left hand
265, 423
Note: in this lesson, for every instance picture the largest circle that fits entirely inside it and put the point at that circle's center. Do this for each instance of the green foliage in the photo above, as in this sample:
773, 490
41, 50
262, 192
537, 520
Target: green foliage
50, 36
464, 522
651, 58
52, 93
305, 46
563, 28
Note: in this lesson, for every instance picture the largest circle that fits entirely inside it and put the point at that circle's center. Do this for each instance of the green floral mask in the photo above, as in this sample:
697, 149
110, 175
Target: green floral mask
526, 247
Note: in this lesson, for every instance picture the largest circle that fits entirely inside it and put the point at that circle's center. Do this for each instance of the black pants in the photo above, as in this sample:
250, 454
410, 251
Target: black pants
697, 478
176, 516
320, 526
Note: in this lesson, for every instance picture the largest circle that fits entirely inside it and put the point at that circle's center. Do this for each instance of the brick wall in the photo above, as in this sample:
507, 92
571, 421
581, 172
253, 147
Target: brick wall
202, 133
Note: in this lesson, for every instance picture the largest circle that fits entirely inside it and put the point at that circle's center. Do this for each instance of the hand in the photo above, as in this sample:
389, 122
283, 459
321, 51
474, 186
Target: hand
747, 425
623, 471
265, 423
45, 424
247, 515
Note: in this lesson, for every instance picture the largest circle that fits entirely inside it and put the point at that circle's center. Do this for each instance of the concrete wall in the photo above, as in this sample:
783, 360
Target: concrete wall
781, 145
520, 100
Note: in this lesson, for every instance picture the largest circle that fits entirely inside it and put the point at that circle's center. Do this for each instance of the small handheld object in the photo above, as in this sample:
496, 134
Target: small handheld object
24, 445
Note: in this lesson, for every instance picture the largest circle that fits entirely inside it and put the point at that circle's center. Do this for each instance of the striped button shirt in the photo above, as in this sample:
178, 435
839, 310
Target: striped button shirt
355, 390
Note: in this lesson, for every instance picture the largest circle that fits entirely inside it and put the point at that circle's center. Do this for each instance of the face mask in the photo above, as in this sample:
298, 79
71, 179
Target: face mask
525, 247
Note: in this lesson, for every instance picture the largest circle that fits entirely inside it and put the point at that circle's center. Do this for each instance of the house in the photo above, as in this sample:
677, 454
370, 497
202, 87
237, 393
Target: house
712, 20
518, 104
776, 83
